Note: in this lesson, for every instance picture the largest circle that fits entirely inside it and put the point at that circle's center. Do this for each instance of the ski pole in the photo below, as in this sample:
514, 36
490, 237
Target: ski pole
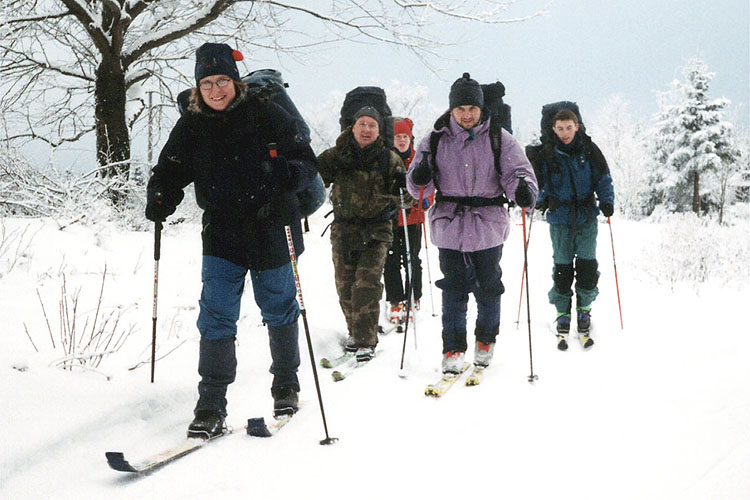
523, 273
429, 274
617, 285
157, 256
531, 377
410, 284
293, 259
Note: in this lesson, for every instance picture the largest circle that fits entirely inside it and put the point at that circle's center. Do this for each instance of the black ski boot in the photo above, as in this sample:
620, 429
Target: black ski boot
206, 425
563, 328
285, 401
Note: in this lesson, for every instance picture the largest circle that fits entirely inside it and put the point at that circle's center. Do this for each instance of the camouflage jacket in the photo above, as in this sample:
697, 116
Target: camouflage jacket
365, 193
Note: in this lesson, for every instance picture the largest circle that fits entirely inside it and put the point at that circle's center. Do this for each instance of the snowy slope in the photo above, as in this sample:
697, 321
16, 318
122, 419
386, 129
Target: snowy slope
659, 410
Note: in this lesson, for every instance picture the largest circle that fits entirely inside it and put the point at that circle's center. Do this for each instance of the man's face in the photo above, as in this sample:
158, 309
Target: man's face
401, 142
217, 91
565, 130
467, 116
366, 130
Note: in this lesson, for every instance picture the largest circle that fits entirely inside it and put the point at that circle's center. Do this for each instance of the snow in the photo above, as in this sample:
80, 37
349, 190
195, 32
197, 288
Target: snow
658, 410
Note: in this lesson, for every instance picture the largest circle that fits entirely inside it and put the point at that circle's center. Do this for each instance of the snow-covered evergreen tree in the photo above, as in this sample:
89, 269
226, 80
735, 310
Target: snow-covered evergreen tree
690, 145
621, 139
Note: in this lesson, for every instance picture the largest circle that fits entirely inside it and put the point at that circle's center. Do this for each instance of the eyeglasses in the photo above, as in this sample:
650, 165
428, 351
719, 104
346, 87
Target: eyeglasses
208, 85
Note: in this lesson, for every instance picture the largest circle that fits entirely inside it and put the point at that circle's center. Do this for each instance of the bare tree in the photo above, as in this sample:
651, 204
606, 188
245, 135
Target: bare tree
72, 67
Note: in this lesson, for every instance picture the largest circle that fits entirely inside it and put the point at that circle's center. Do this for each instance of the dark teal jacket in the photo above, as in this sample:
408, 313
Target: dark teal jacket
574, 178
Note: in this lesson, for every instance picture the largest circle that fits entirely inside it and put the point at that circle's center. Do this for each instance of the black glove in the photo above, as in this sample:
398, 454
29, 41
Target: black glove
523, 195
422, 172
607, 209
159, 206
554, 203
399, 179
282, 208
277, 168
543, 206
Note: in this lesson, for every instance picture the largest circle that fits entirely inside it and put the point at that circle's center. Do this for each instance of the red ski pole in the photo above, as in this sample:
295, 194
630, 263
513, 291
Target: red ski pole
532, 377
614, 261
523, 273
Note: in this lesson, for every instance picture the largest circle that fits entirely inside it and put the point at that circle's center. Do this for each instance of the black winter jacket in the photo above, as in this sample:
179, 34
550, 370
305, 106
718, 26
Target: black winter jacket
246, 201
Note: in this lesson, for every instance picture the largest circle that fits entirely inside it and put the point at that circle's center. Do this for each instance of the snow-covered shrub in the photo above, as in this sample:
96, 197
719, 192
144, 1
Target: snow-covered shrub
85, 339
14, 246
67, 197
695, 250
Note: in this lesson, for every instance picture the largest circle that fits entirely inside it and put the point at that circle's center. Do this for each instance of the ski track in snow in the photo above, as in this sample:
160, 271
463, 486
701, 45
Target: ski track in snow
659, 410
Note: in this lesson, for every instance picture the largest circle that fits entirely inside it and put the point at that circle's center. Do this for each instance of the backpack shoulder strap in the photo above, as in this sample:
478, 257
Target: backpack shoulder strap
434, 141
261, 111
496, 142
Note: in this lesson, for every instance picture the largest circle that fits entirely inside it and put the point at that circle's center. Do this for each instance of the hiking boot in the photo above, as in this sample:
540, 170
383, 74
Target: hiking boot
483, 353
396, 316
584, 320
285, 400
206, 425
365, 354
453, 362
563, 323
350, 345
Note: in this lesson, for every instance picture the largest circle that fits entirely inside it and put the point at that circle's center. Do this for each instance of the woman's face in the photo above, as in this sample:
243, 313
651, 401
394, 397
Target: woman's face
401, 142
217, 91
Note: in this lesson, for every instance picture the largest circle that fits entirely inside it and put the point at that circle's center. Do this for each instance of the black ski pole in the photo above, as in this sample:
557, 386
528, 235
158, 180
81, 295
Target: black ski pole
157, 256
531, 377
409, 281
293, 259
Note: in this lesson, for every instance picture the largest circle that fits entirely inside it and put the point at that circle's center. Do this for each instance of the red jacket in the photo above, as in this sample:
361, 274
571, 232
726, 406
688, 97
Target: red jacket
415, 214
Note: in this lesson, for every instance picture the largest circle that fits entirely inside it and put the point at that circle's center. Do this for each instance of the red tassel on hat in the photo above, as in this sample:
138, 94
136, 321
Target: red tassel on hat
237, 55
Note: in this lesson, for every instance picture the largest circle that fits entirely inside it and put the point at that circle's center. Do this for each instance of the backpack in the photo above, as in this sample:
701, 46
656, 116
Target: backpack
544, 152
498, 113
494, 106
359, 97
266, 85
548, 114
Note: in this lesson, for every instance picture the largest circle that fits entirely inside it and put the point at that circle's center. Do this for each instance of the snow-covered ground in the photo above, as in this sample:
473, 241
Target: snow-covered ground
659, 410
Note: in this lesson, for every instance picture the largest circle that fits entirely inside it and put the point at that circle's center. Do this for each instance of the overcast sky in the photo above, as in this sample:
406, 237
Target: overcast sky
584, 50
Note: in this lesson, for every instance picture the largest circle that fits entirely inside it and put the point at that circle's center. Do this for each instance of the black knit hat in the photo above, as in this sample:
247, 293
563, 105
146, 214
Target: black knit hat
466, 92
216, 59
372, 113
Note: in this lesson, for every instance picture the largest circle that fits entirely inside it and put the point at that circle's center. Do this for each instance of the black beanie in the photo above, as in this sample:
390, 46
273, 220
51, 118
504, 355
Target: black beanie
466, 92
372, 113
216, 59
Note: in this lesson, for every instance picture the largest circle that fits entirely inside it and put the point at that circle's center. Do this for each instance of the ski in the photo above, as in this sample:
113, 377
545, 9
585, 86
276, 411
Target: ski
117, 460
333, 363
586, 341
399, 328
476, 375
562, 342
257, 426
439, 388
347, 370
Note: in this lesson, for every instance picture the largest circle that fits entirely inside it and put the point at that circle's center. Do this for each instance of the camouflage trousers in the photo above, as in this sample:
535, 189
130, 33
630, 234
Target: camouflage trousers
358, 276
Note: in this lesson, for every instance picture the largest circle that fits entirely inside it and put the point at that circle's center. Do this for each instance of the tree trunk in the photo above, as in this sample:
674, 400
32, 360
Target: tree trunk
112, 135
696, 193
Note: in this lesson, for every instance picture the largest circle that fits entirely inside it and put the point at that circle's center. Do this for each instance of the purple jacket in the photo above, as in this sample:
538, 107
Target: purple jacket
467, 168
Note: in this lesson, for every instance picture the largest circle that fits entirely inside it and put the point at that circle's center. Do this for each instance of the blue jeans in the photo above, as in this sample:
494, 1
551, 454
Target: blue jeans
472, 272
223, 284
274, 291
